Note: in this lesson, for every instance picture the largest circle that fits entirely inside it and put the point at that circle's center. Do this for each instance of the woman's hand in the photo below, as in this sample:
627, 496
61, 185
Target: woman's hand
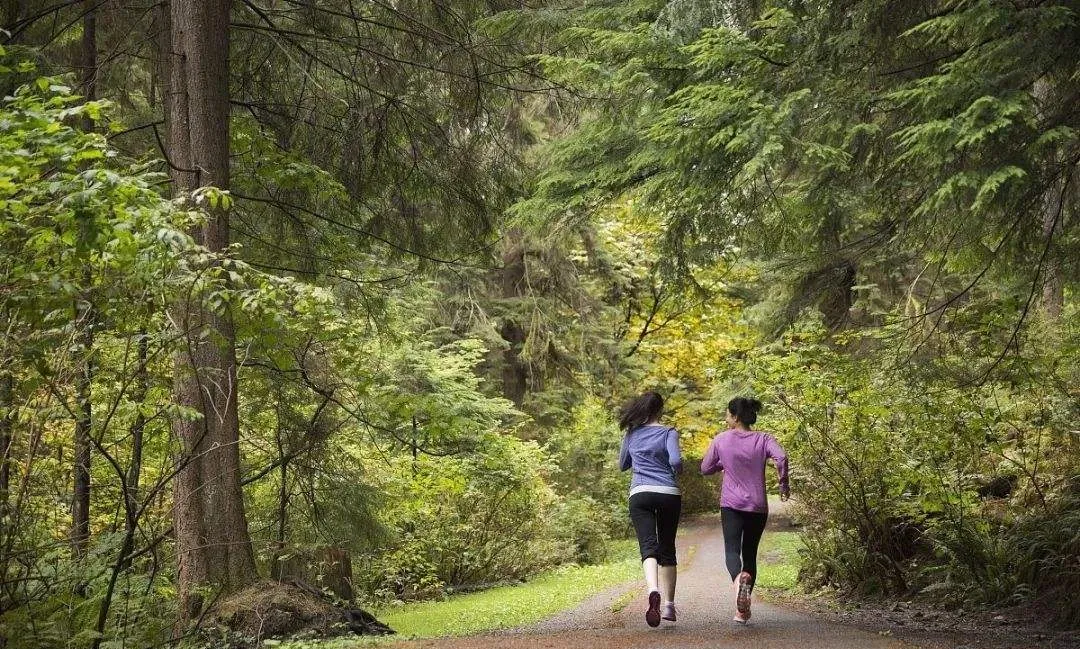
785, 496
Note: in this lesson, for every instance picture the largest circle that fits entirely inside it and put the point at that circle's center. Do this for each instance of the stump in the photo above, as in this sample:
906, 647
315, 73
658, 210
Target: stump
326, 568
280, 609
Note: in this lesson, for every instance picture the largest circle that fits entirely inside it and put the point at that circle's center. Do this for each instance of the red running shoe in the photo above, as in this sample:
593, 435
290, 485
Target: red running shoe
742, 601
652, 615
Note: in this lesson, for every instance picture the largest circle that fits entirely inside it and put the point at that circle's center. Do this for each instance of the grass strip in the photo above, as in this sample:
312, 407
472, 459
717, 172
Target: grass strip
778, 560
505, 607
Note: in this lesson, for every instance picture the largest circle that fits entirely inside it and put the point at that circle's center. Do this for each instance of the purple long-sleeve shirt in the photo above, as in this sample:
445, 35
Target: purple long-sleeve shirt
742, 455
653, 452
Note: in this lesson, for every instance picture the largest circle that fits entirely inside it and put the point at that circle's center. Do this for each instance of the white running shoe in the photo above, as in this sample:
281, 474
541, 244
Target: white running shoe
669, 612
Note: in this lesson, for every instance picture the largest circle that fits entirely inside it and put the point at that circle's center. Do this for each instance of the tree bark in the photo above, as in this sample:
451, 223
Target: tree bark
515, 373
84, 323
12, 11
7, 402
213, 543
1053, 286
134, 472
80, 506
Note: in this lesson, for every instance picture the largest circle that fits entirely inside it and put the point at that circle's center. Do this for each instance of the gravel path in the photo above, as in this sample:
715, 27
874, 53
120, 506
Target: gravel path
705, 611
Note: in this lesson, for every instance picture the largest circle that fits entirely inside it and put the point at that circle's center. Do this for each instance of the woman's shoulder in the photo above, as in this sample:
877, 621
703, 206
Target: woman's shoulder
722, 436
744, 436
766, 438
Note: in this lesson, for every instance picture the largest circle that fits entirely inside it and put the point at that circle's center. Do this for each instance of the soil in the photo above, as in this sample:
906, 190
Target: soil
706, 606
1012, 628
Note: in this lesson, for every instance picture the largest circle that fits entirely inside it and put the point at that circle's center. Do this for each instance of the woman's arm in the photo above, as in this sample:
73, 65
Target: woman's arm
779, 457
624, 453
711, 462
673, 452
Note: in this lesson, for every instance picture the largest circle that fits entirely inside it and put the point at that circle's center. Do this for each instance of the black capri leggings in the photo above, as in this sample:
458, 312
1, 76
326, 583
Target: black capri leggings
742, 533
656, 519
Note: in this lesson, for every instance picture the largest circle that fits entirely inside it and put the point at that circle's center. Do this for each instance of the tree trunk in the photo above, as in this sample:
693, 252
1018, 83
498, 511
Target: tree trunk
515, 373
7, 401
11, 11
1053, 297
283, 488
1054, 285
213, 543
80, 506
84, 324
134, 472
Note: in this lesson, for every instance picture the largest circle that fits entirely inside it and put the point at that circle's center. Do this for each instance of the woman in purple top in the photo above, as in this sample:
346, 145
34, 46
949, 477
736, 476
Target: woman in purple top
741, 454
652, 451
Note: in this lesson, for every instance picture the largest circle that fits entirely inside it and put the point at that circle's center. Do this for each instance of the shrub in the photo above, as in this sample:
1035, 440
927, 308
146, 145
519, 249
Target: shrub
892, 466
582, 528
464, 522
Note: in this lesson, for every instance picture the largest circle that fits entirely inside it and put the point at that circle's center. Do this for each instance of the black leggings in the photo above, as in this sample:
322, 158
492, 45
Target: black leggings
656, 519
742, 533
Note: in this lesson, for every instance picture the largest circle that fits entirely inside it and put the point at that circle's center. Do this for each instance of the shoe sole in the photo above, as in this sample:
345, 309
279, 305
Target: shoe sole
652, 616
742, 602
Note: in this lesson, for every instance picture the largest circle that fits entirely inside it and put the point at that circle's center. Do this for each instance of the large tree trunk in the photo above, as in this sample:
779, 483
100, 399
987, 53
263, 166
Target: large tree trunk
213, 543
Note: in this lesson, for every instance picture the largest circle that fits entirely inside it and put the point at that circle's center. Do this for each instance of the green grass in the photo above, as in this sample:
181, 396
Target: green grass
540, 598
505, 607
778, 560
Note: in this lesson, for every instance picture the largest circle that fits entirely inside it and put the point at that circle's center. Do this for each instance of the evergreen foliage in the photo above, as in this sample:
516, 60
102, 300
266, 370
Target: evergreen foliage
459, 234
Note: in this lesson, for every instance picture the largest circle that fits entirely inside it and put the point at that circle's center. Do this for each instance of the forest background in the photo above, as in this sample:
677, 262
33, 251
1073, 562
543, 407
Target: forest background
350, 291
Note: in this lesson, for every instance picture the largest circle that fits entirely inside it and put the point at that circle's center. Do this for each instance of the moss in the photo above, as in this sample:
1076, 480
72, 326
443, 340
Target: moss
271, 609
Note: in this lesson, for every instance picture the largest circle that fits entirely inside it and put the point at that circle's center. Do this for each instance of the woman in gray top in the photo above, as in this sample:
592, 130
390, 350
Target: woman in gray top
651, 450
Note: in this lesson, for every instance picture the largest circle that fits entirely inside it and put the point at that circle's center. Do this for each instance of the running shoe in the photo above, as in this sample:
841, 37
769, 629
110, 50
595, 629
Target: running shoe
669, 612
652, 615
739, 618
742, 600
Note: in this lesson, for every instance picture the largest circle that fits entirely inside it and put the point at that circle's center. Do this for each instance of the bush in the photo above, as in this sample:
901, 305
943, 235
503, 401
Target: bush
56, 602
464, 522
1047, 545
700, 494
582, 528
892, 465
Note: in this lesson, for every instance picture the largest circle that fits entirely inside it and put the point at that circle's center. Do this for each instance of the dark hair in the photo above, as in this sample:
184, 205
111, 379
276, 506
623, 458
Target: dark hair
745, 410
641, 410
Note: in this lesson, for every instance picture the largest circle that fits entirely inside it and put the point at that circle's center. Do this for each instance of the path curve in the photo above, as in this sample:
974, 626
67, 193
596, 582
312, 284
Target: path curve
705, 612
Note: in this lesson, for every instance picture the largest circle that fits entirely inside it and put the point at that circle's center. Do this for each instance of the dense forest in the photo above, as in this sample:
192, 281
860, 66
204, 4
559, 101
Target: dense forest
349, 292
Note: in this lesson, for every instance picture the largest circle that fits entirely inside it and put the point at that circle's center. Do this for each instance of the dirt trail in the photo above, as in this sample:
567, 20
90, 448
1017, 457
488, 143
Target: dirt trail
705, 611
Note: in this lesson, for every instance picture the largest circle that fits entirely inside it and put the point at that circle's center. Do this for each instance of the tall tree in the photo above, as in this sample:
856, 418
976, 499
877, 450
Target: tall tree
11, 12
214, 546
84, 318
895, 144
